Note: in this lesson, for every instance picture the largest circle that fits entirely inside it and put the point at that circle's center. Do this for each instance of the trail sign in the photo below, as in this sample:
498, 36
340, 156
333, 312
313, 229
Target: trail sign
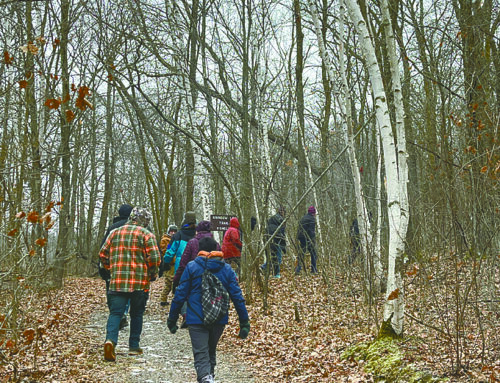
220, 222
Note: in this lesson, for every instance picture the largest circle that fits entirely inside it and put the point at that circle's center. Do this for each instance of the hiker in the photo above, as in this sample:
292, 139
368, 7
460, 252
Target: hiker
189, 254
204, 338
119, 221
168, 268
131, 255
231, 245
278, 244
355, 241
306, 236
179, 242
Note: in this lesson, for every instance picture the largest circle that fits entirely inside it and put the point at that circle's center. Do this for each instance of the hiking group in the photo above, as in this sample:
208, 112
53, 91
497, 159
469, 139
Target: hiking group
201, 274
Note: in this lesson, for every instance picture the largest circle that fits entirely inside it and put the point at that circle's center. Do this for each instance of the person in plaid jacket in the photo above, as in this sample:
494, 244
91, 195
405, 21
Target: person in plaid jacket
131, 255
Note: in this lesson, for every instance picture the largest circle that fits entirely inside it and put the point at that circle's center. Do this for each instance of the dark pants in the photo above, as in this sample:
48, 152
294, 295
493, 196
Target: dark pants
306, 247
204, 344
117, 304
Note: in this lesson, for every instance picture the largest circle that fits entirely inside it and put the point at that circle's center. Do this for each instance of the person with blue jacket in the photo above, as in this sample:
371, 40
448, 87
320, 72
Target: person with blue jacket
204, 339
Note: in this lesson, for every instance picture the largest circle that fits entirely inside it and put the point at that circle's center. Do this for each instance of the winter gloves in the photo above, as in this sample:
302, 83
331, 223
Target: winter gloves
172, 325
244, 329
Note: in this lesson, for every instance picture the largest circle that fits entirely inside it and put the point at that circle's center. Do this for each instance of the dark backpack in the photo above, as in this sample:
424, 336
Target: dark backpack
214, 298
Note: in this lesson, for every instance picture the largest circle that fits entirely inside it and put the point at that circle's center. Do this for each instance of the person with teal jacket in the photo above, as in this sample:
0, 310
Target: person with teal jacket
180, 240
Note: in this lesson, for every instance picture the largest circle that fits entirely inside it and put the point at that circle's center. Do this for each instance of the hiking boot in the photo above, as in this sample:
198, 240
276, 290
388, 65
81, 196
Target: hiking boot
135, 351
123, 322
277, 276
163, 304
109, 351
208, 379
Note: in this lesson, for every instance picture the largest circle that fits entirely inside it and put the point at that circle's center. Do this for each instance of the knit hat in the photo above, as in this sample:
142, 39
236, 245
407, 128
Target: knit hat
172, 228
141, 215
311, 210
203, 226
124, 210
189, 218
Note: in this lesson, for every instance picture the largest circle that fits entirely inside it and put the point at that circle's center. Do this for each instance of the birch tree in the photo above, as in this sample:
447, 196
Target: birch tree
396, 174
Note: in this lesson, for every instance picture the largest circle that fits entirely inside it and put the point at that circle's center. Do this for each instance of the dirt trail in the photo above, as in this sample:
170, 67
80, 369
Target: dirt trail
167, 357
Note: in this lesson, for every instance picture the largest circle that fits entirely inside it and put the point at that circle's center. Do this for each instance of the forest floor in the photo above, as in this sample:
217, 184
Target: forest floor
308, 323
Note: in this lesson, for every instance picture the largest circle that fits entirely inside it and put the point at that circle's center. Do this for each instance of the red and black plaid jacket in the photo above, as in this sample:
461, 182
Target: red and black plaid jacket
131, 255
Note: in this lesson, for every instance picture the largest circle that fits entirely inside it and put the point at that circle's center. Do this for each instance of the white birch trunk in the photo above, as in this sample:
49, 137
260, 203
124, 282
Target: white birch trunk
394, 307
345, 107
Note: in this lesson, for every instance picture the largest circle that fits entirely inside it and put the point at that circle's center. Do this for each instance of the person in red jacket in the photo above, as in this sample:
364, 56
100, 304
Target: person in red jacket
231, 245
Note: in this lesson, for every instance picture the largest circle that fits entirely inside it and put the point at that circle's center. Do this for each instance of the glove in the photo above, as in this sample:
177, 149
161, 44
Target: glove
172, 325
244, 329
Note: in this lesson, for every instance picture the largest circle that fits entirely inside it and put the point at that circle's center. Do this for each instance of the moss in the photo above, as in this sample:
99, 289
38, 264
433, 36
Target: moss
384, 360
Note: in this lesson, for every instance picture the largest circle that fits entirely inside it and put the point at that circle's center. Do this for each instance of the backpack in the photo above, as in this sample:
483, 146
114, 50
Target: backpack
214, 298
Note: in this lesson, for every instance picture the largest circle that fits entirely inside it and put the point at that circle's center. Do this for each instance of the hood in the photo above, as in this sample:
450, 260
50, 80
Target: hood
212, 264
125, 210
203, 226
201, 234
234, 222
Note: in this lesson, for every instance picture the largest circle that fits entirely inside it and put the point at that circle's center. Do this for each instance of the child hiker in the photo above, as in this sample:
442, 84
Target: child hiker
204, 338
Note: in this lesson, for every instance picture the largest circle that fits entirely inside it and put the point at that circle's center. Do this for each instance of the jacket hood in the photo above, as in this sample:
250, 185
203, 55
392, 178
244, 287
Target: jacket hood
125, 210
201, 234
203, 226
212, 264
234, 222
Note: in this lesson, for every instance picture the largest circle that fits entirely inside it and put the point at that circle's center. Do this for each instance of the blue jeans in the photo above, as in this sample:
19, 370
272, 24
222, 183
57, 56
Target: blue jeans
117, 305
204, 344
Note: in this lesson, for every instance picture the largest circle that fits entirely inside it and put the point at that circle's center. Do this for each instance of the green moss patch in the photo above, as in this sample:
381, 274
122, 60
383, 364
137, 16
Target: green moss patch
385, 362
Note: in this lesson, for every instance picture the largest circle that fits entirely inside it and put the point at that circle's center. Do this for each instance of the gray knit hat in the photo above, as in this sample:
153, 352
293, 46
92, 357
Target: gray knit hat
189, 218
141, 215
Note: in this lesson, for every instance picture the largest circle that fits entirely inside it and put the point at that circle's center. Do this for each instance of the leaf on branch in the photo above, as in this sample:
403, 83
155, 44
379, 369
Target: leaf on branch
12, 233
32, 253
484, 169
41, 242
49, 206
30, 47
393, 295
56, 42
20, 215
52, 103
41, 40
32, 217
7, 58
47, 217
23, 84
70, 115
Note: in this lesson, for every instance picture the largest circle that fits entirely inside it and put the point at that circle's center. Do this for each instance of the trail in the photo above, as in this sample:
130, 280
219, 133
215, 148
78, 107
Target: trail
167, 357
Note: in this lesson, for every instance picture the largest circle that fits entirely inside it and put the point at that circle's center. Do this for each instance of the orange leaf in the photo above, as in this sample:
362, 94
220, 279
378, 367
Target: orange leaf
41, 242
49, 226
56, 42
32, 217
393, 295
12, 233
21, 214
23, 84
29, 334
10, 344
110, 77
484, 169
49, 206
32, 253
47, 217
7, 58
70, 116
52, 103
